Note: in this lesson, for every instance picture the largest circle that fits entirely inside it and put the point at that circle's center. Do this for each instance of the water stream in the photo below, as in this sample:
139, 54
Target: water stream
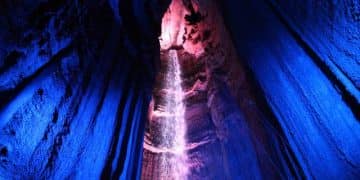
173, 161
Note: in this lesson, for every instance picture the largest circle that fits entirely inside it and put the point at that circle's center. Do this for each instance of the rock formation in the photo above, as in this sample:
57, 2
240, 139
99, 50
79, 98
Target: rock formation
226, 127
75, 83
270, 89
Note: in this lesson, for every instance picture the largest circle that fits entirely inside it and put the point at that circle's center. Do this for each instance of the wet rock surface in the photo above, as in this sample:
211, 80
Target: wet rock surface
271, 88
226, 136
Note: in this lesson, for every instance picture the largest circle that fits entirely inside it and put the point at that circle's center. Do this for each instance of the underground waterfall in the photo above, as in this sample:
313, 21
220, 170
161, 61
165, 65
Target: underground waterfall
179, 89
173, 129
165, 151
168, 120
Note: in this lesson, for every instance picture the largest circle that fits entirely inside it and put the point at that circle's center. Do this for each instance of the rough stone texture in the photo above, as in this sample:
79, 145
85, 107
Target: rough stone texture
75, 78
228, 134
285, 49
332, 29
277, 97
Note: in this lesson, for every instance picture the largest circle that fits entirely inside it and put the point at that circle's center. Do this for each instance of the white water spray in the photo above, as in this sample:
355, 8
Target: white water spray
173, 159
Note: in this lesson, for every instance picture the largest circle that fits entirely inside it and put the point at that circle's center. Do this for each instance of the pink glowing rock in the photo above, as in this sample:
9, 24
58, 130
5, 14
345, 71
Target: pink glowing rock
176, 31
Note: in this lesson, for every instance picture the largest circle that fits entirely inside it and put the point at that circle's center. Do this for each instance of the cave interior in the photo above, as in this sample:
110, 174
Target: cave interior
179, 89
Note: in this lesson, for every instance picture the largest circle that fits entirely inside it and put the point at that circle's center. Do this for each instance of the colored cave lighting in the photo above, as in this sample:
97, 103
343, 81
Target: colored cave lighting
174, 30
173, 25
173, 159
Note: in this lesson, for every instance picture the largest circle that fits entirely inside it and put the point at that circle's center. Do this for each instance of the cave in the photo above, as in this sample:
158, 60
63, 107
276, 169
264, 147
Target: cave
179, 89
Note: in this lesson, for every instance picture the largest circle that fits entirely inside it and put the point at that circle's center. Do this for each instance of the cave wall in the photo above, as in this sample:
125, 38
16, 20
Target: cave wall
229, 134
75, 83
76, 80
303, 56
331, 29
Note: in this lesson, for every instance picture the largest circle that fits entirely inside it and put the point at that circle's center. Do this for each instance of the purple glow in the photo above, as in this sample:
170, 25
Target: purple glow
172, 149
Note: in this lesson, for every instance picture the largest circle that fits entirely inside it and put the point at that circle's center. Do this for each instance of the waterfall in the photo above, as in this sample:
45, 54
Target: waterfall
173, 160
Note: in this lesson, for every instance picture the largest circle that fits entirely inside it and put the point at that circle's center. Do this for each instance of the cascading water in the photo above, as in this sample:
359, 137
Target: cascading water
168, 118
165, 151
173, 163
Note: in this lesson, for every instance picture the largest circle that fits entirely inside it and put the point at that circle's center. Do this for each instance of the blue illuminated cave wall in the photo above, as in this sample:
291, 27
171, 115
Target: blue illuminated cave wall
304, 57
76, 79
75, 83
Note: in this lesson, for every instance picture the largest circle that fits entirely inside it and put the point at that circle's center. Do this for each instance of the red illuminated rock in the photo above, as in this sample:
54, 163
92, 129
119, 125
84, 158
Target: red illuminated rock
221, 113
